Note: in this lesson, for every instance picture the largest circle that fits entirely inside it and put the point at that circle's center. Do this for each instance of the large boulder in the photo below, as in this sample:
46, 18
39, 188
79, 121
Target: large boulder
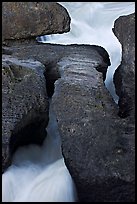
21, 20
124, 77
24, 105
97, 145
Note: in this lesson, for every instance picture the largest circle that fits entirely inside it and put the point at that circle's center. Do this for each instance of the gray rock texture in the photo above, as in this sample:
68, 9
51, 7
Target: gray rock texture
98, 146
22, 20
24, 105
24, 96
124, 78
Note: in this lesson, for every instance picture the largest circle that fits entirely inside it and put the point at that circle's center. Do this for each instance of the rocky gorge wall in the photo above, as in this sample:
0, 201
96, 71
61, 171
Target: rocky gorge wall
25, 103
97, 141
97, 136
124, 77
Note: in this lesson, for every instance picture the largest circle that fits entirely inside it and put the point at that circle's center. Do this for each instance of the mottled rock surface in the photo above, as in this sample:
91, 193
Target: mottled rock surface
22, 20
24, 104
98, 146
124, 78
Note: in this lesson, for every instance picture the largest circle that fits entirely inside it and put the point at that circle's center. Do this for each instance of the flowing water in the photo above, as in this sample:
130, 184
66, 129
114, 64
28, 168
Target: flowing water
92, 23
39, 174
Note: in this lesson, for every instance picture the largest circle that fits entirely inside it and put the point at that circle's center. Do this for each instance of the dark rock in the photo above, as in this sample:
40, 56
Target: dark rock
24, 105
124, 77
103, 67
51, 74
32, 19
6, 50
98, 146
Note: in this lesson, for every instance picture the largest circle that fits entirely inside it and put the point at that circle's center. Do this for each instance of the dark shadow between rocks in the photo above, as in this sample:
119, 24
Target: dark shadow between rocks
51, 75
33, 133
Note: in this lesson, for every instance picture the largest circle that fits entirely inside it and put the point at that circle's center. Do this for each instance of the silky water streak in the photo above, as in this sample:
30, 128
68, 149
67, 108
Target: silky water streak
39, 174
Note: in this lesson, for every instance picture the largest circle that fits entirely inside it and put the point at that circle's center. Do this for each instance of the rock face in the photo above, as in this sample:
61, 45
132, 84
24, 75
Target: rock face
124, 78
24, 105
31, 19
24, 94
97, 145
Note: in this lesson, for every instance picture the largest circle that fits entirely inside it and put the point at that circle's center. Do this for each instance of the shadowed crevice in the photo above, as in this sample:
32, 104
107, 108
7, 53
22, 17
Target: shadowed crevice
51, 74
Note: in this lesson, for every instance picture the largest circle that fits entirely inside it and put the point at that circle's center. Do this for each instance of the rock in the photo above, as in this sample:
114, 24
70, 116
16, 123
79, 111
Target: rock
124, 77
98, 146
24, 105
32, 19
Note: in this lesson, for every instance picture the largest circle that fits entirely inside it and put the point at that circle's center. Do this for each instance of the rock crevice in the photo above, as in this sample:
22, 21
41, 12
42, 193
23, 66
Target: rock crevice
25, 102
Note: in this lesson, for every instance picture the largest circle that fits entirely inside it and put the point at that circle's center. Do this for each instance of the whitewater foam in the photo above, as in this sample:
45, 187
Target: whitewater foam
39, 174
92, 23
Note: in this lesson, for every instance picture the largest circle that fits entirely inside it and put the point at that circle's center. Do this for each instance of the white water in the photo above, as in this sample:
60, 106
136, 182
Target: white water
39, 174
92, 23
